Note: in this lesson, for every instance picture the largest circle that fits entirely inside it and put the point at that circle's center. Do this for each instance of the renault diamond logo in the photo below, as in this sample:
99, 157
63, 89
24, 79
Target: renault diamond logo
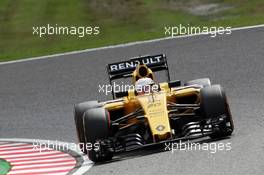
160, 128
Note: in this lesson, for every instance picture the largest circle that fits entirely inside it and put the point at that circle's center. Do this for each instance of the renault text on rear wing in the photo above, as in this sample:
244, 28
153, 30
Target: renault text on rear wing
125, 68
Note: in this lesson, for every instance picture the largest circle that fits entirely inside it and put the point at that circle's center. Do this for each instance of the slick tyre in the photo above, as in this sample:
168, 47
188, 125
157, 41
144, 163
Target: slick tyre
204, 82
214, 104
96, 123
79, 110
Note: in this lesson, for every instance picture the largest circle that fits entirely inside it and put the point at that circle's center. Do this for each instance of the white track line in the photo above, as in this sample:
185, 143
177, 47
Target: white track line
26, 160
40, 170
24, 150
46, 164
18, 147
29, 162
11, 144
28, 154
35, 159
121, 45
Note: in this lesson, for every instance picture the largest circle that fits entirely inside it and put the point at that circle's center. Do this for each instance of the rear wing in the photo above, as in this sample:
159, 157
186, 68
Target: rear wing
125, 69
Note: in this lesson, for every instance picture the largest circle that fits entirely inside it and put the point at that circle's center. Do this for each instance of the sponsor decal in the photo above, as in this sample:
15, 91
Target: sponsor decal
154, 104
132, 64
156, 114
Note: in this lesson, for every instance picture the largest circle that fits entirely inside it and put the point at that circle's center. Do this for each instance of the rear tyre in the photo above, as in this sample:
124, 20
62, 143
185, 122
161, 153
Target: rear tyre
214, 104
79, 110
96, 123
204, 82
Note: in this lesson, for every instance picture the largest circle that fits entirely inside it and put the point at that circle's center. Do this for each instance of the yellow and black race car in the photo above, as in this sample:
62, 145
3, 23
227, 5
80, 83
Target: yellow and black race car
151, 113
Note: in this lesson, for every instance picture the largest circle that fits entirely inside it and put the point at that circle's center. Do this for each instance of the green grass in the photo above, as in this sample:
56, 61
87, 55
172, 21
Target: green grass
119, 21
5, 167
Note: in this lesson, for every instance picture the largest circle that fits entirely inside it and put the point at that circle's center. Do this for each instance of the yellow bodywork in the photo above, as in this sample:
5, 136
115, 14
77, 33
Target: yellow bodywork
156, 113
154, 105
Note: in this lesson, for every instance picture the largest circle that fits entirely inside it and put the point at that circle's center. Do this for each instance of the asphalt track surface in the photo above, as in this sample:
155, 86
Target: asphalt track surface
37, 99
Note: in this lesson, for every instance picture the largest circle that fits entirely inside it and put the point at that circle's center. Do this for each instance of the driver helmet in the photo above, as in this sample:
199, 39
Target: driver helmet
144, 86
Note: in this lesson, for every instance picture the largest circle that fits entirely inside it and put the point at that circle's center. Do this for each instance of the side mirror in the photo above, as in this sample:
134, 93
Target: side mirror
121, 94
175, 83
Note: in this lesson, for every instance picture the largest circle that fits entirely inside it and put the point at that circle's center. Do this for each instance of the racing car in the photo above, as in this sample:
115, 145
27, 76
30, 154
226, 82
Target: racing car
134, 119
